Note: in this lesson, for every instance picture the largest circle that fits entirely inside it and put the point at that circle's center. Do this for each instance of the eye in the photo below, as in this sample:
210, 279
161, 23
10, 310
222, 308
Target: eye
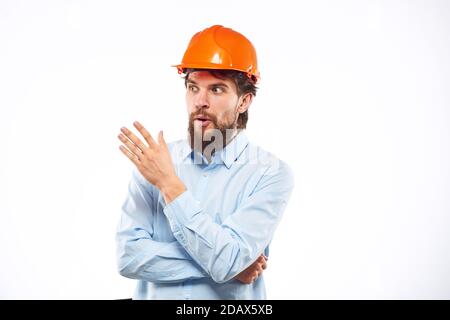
192, 88
217, 89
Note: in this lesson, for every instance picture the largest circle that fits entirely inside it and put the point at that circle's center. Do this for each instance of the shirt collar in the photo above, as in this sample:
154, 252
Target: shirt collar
228, 155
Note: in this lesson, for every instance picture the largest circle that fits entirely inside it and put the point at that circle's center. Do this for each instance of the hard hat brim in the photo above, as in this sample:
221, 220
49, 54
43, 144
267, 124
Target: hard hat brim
211, 66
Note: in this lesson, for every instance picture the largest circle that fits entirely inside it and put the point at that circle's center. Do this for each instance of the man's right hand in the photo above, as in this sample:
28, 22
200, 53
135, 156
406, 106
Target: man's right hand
253, 271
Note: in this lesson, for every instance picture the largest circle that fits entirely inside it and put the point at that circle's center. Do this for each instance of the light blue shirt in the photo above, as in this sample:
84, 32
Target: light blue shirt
193, 247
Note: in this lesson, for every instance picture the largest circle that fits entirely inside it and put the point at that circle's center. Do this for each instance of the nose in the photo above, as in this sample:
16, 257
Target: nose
201, 100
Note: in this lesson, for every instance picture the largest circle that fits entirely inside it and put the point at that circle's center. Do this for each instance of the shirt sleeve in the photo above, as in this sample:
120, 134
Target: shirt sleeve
139, 256
223, 251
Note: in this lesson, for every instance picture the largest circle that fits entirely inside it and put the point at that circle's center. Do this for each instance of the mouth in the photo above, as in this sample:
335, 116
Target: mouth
202, 120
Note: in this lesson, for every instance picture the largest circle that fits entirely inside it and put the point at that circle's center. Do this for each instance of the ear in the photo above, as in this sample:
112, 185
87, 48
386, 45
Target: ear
246, 101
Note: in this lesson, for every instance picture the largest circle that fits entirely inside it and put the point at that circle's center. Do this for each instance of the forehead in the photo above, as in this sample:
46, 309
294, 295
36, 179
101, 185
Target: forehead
204, 77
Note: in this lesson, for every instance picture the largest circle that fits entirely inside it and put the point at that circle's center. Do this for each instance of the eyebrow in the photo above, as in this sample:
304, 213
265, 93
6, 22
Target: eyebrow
216, 84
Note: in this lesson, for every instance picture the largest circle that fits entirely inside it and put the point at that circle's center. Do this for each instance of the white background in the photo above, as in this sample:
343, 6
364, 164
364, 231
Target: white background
354, 96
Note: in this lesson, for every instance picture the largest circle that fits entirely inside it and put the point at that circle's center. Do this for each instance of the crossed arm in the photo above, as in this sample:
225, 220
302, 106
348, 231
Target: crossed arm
140, 256
223, 252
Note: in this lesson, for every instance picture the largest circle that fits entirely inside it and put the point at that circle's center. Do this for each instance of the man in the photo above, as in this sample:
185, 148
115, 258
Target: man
200, 213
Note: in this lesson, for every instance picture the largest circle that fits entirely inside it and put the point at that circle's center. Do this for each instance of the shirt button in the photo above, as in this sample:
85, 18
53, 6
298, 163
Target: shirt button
205, 175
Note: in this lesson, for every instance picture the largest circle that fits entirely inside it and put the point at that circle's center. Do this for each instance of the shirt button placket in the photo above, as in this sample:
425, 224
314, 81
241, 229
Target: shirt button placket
202, 185
187, 286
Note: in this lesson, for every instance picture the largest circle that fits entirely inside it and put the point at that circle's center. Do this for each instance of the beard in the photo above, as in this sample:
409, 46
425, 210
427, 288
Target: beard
208, 141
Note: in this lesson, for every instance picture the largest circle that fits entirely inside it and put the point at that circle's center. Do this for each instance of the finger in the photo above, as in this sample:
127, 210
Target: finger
130, 145
147, 136
264, 266
161, 140
130, 155
130, 135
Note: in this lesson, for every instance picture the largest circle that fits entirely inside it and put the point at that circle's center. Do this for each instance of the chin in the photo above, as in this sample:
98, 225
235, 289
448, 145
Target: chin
206, 130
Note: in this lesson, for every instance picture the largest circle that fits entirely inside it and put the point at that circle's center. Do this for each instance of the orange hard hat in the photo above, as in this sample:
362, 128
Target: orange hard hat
218, 47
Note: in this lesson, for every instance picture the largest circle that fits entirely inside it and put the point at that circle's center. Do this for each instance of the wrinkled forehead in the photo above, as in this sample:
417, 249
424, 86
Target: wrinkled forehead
200, 75
206, 78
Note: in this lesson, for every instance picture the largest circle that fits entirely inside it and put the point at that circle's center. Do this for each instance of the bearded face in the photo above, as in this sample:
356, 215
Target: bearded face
213, 107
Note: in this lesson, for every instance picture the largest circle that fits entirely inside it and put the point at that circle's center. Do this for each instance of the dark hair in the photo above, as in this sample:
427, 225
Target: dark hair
243, 84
